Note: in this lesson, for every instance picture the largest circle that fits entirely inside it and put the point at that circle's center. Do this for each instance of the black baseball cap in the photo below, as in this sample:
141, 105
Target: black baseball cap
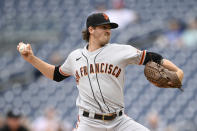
96, 19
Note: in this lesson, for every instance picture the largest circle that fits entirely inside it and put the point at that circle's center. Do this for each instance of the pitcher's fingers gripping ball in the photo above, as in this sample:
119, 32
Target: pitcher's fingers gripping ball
161, 77
24, 48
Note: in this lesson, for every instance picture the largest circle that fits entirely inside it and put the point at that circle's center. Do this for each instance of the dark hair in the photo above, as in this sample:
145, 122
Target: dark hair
86, 35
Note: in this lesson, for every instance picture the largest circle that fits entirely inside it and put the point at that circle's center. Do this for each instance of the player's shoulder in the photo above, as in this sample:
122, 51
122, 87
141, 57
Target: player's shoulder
119, 46
75, 52
122, 48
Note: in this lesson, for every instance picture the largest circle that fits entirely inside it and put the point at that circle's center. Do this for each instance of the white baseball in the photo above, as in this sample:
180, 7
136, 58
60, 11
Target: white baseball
22, 48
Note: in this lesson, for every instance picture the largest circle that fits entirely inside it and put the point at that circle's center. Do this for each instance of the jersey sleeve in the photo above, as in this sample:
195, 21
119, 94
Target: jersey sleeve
134, 55
66, 68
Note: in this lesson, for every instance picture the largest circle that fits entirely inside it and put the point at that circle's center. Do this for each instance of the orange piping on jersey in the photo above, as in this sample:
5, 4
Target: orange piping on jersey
78, 119
142, 58
77, 124
62, 72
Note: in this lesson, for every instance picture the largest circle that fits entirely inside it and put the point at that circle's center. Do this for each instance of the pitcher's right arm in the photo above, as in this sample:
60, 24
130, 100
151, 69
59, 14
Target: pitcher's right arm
48, 70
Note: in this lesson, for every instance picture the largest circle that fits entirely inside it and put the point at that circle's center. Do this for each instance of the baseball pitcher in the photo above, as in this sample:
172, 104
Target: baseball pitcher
99, 70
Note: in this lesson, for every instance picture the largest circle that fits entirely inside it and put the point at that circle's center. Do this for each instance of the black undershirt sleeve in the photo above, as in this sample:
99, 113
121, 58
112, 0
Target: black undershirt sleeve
152, 56
57, 76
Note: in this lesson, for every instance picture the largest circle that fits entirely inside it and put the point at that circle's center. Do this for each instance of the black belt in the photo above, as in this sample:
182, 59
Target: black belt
107, 117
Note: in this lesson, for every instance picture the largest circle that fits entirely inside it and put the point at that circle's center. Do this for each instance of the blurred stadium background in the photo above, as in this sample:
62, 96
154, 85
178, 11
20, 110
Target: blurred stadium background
53, 27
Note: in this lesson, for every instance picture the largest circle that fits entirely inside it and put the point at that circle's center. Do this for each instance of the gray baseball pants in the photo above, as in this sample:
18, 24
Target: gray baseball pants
121, 123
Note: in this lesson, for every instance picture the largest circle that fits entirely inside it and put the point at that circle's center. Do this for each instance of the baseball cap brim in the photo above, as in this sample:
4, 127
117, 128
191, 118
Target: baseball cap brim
113, 25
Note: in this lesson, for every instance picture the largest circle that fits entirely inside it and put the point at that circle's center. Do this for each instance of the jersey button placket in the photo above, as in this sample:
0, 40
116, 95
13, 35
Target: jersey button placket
94, 82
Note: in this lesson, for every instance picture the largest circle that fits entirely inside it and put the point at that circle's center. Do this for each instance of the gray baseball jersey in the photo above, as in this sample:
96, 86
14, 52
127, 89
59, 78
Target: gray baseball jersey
100, 75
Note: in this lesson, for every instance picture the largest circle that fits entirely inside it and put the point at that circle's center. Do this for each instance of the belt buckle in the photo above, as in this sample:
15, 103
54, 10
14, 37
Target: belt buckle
110, 114
103, 117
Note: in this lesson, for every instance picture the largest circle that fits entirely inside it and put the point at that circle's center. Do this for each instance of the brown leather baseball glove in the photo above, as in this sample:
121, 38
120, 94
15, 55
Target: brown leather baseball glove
161, 77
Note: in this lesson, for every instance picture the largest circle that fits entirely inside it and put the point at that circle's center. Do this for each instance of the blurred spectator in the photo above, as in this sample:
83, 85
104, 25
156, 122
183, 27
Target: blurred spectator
121, 15
154, 121
13, 123
26, 122
170, 128
189, 37
172, 36
100, 7
67, 126
48, 122
1, 121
